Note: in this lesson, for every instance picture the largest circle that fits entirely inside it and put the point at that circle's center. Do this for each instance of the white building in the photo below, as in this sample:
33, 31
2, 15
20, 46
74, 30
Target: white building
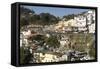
92, 28
80, 21
91, 20
86, 19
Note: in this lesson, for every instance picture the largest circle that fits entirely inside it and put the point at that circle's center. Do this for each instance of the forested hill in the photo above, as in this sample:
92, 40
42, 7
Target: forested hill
28, 16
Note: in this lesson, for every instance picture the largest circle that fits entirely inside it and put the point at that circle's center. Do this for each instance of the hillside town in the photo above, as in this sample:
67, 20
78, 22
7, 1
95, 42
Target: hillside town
68, 40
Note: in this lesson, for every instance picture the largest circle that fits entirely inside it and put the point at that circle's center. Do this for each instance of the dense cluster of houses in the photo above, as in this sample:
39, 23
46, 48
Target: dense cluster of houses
84, 22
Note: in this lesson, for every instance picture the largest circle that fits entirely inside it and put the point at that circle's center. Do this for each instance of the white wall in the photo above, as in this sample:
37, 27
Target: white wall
5, 21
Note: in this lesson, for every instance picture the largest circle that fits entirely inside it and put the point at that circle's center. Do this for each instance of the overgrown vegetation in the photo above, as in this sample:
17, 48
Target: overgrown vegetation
25, 55
52, 41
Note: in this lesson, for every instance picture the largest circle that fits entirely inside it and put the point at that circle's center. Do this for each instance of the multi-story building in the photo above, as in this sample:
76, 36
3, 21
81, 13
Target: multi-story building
91, 21
86, 21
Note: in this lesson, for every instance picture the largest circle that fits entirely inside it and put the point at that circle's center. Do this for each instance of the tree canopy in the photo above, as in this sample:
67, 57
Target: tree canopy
28, 16
53, 42
67, 17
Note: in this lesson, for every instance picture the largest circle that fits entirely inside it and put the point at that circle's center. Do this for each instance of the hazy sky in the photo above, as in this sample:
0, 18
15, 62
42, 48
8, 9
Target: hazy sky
56, 10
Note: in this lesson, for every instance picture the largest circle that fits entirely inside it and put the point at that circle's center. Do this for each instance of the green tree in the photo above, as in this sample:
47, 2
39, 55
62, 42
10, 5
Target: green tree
25, 16
26, 11
92, 50
53, 42
22, 55
28, 56
40, 39
67, 17
47, 19
25, 55
23, 22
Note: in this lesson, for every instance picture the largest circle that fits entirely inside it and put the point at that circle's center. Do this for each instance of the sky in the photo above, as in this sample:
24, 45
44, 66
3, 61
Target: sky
56, 10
